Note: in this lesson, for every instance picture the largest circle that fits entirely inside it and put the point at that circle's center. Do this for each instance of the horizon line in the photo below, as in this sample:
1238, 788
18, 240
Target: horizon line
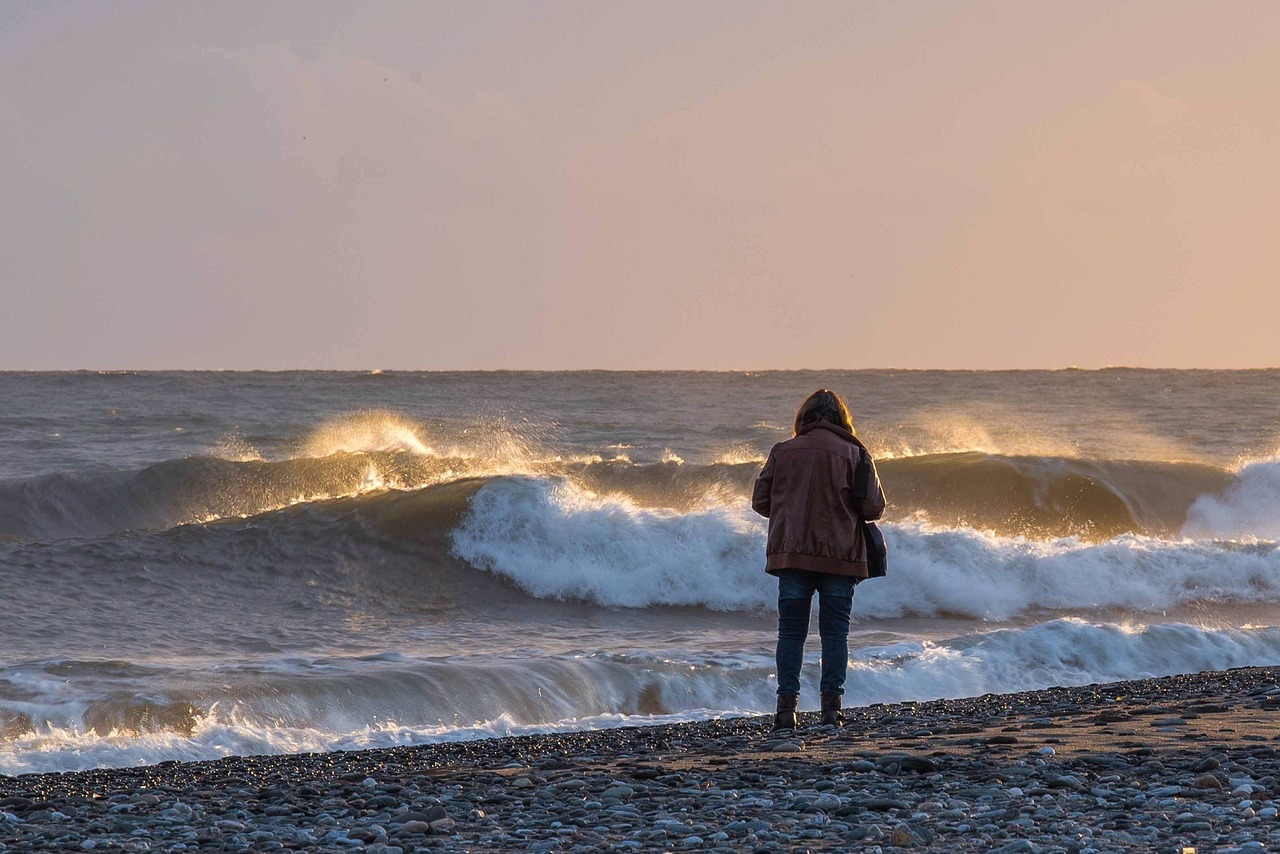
382, 371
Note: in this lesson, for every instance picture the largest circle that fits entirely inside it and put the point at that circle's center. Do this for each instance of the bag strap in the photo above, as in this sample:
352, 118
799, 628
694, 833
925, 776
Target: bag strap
862, 474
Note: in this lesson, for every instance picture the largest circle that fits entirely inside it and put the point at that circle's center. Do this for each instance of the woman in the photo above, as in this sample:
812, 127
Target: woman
807, 491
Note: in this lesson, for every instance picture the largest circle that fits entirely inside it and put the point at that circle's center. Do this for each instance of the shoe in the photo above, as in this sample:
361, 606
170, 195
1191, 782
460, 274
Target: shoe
786, 714
831, 714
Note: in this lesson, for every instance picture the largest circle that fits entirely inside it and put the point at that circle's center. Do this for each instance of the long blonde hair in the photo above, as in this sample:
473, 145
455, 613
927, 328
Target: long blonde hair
823, 405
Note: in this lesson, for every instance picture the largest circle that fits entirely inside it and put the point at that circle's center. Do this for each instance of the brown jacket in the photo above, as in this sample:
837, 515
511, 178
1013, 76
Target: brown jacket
806, 490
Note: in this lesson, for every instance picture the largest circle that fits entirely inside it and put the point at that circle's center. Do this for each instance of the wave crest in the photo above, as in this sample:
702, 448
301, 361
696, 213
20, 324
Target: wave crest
555, 540
1248, 509
366, 432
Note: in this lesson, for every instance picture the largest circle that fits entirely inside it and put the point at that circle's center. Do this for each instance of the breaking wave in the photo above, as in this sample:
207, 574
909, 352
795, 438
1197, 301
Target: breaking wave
1039, 497
554, 540
615, 534
1247, 509
320, 704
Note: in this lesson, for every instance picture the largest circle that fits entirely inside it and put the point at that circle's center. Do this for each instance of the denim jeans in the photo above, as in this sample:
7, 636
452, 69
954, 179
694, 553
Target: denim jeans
835, 602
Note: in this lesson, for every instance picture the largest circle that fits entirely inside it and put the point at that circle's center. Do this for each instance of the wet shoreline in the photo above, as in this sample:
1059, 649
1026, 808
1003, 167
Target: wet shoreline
1152, 764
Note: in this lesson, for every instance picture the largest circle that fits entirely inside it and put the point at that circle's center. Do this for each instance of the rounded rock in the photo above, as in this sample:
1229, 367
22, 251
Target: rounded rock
618, 792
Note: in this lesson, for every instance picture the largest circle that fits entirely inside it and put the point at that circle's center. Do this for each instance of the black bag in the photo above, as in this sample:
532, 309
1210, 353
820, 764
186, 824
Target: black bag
877, 548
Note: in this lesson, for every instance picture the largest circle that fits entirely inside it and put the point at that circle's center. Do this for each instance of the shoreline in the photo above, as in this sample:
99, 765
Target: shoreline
1156, 764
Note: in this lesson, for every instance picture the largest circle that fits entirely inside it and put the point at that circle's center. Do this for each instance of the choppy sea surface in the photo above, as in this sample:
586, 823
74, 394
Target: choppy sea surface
201, 564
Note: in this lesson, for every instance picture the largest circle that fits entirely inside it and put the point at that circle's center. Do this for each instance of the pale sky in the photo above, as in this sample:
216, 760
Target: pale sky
692, 184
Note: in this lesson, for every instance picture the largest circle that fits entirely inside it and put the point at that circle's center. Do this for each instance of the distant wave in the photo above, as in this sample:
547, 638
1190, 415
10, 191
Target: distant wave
615, 534
1050, 496
360, 453
193, 490
353, 454
1043, 497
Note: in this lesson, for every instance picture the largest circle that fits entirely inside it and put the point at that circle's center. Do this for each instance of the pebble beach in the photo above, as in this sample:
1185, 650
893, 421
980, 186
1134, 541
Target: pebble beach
1169, 764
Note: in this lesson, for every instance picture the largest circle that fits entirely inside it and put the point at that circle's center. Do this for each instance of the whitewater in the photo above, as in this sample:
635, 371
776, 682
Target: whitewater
195, 565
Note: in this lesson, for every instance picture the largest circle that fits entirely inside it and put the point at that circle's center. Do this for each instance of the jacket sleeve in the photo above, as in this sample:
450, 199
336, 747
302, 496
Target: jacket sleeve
762, 494
871, 507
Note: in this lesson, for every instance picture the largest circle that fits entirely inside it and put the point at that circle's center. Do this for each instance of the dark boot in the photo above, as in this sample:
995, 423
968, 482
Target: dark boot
786, 715
831, 714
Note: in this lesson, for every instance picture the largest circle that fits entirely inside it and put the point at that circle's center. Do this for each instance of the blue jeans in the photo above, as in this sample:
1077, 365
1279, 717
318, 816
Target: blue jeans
835, 603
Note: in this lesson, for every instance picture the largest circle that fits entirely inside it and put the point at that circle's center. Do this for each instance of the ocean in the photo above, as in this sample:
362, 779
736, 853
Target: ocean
202, 564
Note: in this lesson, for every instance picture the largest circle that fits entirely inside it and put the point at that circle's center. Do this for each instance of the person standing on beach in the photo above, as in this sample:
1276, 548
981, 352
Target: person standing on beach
809, 492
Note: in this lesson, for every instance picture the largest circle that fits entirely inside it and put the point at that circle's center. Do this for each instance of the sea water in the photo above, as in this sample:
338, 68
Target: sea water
201, 564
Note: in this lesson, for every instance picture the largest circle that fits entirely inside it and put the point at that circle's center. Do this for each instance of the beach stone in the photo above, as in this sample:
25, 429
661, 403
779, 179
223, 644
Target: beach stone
886, 804
1017, 846
919, 764
904, 837
522, 782
787, 747
1207, 781
827, 802
619, 793
410, 828
1067, 781
1144, 796
647, 773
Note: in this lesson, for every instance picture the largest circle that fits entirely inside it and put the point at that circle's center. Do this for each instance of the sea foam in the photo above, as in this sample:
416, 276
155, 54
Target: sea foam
1248, 509
397, 699
555, 540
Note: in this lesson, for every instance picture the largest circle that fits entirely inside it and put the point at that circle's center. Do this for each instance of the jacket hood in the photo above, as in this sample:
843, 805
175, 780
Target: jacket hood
827, 425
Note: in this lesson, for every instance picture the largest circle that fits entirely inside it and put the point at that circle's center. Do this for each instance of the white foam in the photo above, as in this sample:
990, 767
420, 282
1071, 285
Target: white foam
1247, 510
363, 432
60, 750
1067, 651
558, 541
694, 686
970, 573
383, 700
739, 454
